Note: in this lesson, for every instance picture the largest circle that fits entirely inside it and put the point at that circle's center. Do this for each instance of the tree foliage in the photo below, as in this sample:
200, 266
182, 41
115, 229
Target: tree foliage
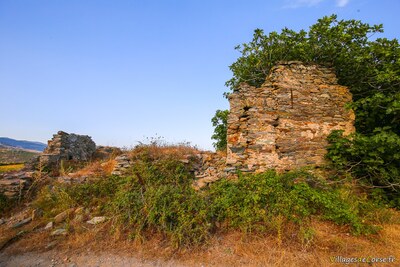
369, 66
374, 160
220, 122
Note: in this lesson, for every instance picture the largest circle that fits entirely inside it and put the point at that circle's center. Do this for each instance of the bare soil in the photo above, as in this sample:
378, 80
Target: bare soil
60, 258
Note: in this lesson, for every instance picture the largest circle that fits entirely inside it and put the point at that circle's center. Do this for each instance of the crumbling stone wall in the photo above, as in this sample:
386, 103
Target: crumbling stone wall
207, 167
15, 184
64, 146
284, 124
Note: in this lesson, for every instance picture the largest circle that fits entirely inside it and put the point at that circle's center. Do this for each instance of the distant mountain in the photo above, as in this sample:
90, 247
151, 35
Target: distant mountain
22, 144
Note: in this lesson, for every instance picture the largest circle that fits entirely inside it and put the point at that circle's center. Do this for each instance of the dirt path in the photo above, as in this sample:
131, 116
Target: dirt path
54, 258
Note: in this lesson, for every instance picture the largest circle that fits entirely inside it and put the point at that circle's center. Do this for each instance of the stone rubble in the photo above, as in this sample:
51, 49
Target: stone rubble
97, 220
22, 223
63, 215
211, 168
49, 226
206, 166
60, 231
123, 163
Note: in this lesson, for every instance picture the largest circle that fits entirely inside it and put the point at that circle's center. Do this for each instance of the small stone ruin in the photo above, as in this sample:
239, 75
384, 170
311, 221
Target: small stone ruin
64, 146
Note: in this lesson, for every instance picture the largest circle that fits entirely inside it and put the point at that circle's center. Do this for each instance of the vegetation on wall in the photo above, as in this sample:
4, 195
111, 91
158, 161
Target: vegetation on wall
369, 66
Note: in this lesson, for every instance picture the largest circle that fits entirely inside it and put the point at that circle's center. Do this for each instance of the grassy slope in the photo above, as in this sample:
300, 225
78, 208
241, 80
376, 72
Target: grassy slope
10, 155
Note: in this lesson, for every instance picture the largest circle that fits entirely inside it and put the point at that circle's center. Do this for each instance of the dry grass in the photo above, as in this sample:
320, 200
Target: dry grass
11, 167
156, 151
225, 249
95, 169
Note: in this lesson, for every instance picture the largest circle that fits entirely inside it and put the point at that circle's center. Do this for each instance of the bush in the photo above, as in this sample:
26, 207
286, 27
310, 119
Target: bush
374, 160
254, 202
53, 199
160, 197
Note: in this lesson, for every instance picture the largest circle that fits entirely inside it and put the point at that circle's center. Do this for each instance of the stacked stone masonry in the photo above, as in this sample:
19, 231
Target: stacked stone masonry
284, 123
122, 165
207, 167
64, 146
15, 184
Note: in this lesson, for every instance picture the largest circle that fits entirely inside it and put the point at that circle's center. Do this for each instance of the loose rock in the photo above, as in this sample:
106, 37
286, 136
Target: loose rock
49, 226
97, 220
59, 232
22, 223
123, 163
63, 215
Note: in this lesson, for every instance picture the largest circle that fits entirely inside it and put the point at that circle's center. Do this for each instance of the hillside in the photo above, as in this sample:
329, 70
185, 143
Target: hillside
9, 155
18, 151
22, 144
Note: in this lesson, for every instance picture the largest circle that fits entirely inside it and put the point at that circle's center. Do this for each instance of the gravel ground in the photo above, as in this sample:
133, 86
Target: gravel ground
53, 258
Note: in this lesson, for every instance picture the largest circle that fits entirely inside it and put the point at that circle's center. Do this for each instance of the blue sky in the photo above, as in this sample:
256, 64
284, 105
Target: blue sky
121, 71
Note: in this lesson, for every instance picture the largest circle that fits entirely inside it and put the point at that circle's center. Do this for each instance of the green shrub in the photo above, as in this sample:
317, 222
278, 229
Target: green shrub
374, 160
252, 202
160, 198
57, 198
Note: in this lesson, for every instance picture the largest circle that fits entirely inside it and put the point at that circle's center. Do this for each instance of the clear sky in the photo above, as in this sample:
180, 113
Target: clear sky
121, 71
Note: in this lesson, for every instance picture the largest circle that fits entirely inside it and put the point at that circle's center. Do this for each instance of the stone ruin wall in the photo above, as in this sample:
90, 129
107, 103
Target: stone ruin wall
64, 146
284, 124
281, 125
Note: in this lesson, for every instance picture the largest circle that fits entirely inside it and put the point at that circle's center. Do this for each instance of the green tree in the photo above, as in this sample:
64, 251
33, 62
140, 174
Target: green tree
220, 122
369, 66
